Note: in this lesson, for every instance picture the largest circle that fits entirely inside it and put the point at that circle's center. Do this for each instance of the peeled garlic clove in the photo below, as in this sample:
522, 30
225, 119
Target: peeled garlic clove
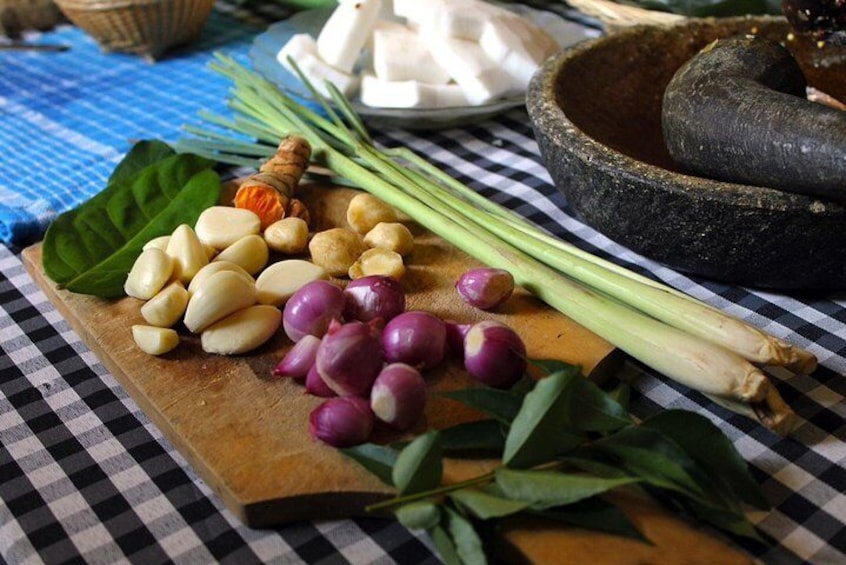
154, 340
221, 226
212, 268
242, 331
188, 253
148, 275
220, 294
166, 307
158, 242
250, 252
277, 283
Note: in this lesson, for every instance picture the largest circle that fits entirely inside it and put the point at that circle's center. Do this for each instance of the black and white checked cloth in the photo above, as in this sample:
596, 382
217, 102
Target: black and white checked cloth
86, 478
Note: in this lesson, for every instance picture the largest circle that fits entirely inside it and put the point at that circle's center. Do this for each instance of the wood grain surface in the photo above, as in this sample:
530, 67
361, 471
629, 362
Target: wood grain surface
246, 433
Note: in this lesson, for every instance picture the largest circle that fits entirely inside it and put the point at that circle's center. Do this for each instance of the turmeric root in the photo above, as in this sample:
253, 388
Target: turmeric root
270, 192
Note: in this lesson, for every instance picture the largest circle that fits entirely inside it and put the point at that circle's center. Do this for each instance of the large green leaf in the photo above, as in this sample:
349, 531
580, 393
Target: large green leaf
91, 249
711, 449
548, 489
419, 466
143, 154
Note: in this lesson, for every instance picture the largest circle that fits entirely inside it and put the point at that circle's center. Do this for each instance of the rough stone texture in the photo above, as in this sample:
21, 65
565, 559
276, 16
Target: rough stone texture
596, 110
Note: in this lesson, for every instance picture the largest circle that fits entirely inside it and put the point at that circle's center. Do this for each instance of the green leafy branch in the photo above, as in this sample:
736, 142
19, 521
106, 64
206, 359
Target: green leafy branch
563, 443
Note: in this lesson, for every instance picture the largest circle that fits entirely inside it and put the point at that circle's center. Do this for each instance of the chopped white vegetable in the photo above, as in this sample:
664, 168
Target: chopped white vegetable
461, 19
479, 77
441, 53
400, 54
302, 48
416, 12
516, 46
380, 93
346, 31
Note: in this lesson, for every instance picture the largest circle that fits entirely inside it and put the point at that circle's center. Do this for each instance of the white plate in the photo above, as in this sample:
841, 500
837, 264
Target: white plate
267, 45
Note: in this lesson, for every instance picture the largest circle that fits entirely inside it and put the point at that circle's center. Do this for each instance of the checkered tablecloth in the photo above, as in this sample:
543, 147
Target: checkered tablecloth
85, 476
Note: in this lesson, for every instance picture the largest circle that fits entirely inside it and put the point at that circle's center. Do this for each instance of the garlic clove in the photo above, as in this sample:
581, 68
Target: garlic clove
167, 307
242, 331
250, 252
220, 294
148, 275
188, 253
154, 340
277, 283
221, 226
215, 267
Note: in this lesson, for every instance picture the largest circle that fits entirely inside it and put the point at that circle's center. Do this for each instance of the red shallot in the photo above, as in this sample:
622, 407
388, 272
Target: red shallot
494, 354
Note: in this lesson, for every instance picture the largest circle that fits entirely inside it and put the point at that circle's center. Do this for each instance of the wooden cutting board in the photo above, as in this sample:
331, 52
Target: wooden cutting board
246, 433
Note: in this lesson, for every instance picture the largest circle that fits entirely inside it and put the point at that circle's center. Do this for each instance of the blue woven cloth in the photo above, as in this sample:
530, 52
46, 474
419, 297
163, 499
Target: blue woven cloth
67, 118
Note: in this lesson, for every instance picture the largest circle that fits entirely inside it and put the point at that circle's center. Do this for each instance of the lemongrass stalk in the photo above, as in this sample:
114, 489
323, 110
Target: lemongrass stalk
654, 298
674, 353
669, 306
772, 412
227, 144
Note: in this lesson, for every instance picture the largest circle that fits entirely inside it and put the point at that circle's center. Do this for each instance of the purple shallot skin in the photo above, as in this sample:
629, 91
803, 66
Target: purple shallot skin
372, 297
398, 397
494, 354
485, 288
316, 386
310, 310
299, 359
342, 421
349, 358
416, 338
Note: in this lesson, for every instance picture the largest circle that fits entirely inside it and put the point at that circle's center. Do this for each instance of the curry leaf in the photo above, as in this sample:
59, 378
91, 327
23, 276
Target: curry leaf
733, 521
446, 547
377, 459
547, 489
500, 404
91, 249
468, 545
482, 436
594, 514
706, 444
419, 466
485, 505
649, 454
550, 366
540, 431
422, 515
590, 409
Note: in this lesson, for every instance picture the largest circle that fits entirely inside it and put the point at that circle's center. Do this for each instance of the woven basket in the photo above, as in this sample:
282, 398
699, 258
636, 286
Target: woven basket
613, 15
144, 27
